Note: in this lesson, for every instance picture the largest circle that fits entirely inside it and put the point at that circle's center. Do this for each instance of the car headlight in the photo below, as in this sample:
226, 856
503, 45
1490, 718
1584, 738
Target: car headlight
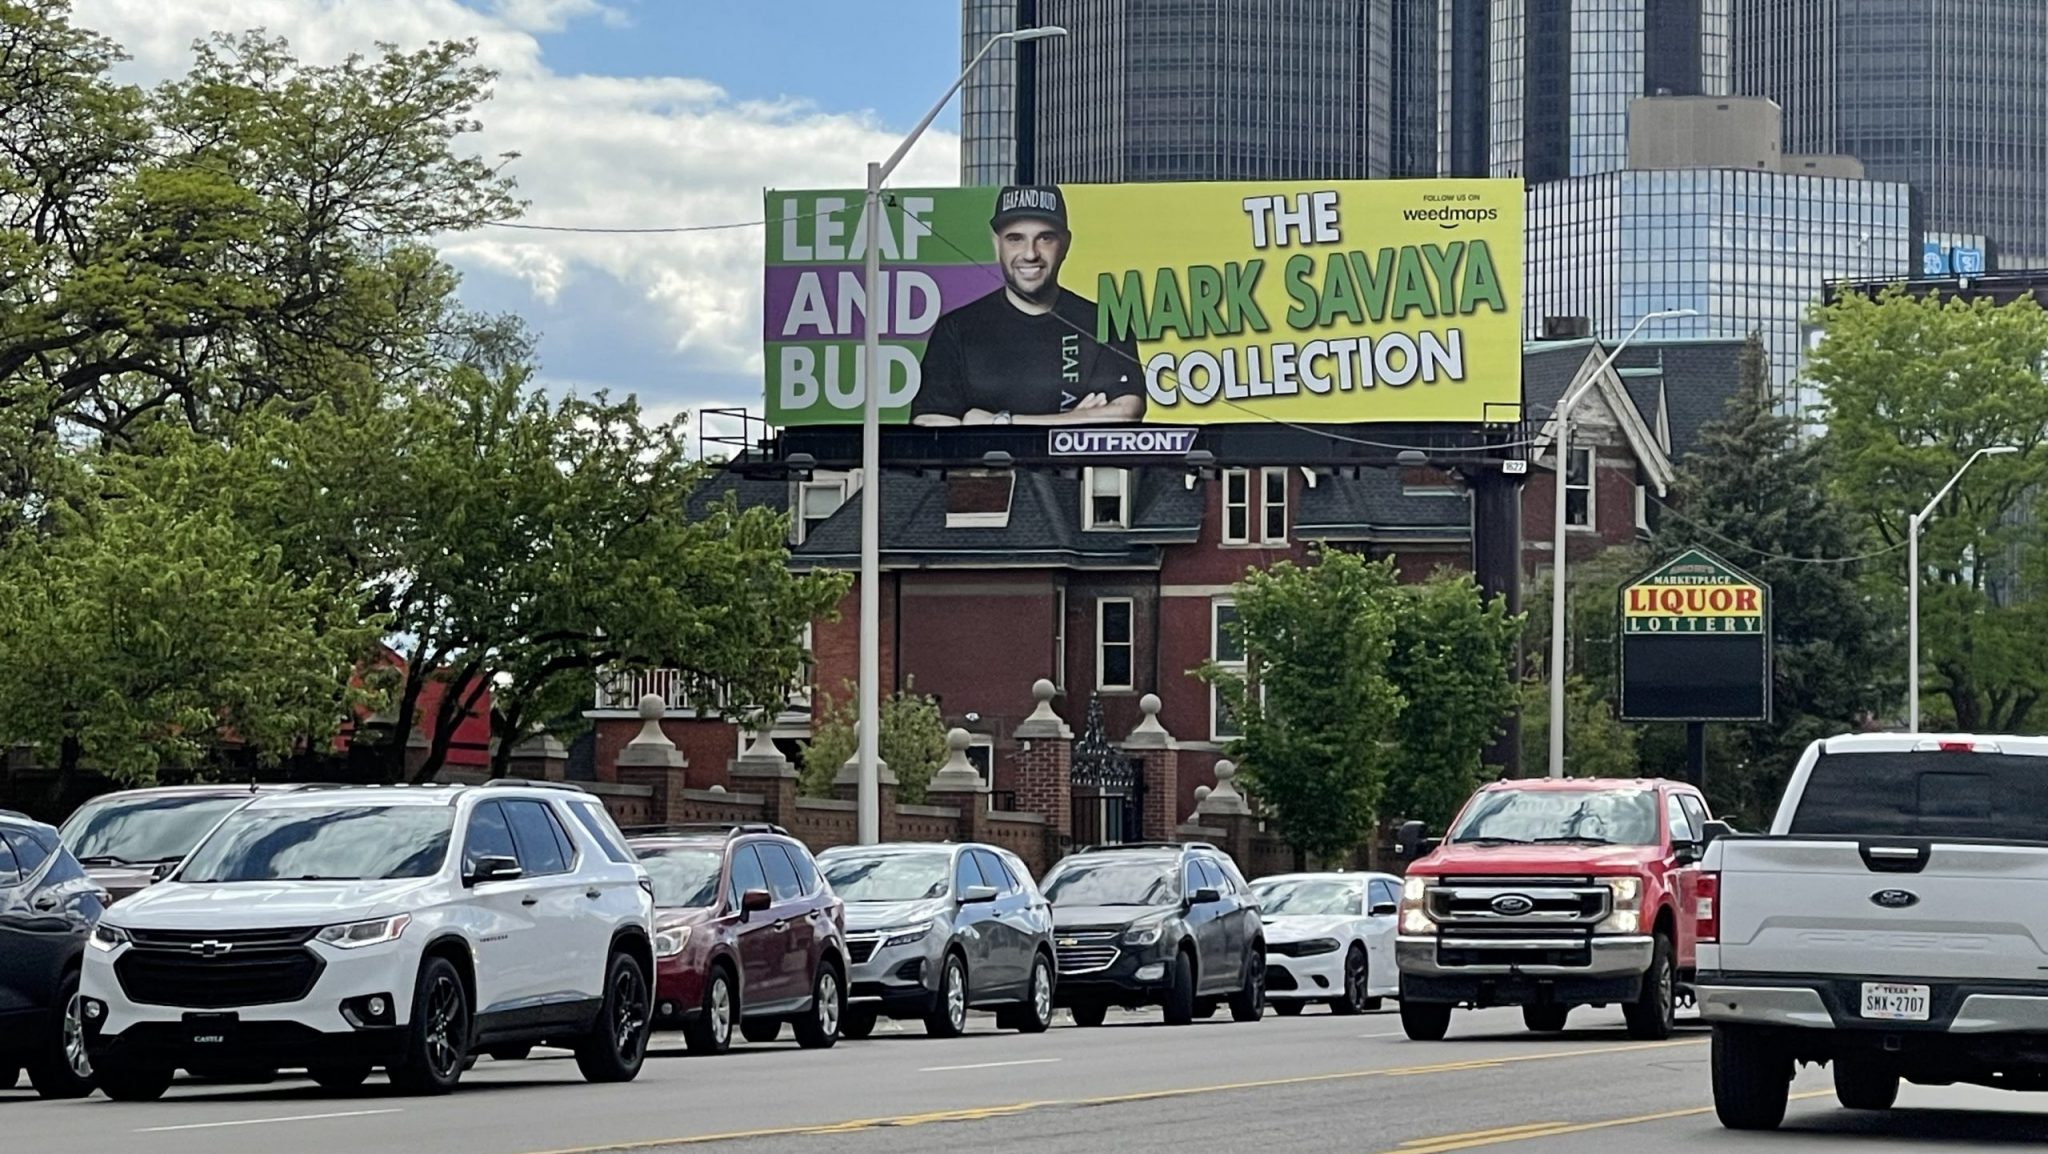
1626, 915
904, 935
1144, 933
350, 935
1310, 949
106, 937
670, 942
1414, 913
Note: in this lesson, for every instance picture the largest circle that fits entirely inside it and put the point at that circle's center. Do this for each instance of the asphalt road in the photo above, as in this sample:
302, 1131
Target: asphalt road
1350, 1084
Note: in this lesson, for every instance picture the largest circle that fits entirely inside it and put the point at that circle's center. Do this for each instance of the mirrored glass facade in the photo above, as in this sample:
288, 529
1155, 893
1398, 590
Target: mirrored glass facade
1950, 96
1564, 71
1748, 250
988, 101
1462, 91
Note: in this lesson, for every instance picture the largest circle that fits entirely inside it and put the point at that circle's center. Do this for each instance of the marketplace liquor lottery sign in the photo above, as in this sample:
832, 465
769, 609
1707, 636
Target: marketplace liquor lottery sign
1182, 304
1696, 643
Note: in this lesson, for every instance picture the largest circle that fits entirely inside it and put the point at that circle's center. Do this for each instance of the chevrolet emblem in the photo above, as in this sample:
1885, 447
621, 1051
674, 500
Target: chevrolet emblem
1067, 942
210, 948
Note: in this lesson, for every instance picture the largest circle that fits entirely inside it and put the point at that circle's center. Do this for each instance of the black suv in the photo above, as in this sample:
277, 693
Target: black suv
47, 910
1160, 924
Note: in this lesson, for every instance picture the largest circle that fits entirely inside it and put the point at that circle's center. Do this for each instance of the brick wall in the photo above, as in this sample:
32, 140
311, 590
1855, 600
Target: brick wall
708, 744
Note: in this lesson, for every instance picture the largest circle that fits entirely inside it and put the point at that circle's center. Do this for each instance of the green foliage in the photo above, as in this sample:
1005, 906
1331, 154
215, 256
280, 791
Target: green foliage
1451, 659
1913, 387
912, 743
1597, 744
1316, 703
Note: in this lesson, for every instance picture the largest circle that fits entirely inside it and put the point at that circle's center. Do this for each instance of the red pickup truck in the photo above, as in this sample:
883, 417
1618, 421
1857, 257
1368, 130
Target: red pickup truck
1551, 893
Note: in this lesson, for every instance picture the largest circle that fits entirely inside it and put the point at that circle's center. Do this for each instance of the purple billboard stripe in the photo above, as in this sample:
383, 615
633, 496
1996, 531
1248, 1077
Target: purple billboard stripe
957, 284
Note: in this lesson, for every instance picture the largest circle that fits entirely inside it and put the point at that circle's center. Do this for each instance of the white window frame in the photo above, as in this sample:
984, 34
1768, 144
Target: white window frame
1643, 507
1242, 477
803, 489
1591, 488
1059, 639
1102, 644
1267, 507
1216, 608
1123, 494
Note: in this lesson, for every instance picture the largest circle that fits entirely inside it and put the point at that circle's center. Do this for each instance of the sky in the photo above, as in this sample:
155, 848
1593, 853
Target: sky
635, 114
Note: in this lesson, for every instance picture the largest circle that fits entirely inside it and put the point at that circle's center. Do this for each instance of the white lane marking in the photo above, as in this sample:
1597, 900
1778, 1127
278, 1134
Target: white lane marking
989, 1065
267, 1121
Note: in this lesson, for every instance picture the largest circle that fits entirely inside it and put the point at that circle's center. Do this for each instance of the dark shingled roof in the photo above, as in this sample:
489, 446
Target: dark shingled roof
1692, 379
1375, 505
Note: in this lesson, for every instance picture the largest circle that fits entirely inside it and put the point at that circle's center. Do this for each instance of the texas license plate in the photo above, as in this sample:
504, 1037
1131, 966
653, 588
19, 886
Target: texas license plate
1893, 1003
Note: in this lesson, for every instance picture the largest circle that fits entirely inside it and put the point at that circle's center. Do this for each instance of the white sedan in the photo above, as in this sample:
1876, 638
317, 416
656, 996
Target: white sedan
1329, 939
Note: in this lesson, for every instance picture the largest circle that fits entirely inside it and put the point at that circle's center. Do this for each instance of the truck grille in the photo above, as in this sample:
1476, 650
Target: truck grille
218, 969
1085, 951
1555, 903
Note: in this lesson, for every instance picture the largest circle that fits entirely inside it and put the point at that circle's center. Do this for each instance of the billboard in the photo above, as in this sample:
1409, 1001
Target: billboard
1696, 643
1187, 304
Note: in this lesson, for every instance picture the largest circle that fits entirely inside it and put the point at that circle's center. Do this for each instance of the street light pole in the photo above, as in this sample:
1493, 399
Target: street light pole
874, 314
1914, 522
1560, 449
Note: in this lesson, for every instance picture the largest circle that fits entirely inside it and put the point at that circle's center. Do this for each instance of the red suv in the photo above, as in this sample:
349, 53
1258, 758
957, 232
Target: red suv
747, 934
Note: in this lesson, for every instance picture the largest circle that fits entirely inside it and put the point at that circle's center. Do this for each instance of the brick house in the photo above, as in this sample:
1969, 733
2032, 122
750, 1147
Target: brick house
1113, 582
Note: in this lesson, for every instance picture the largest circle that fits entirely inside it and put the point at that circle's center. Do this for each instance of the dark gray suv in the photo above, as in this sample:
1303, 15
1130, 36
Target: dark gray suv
934, 928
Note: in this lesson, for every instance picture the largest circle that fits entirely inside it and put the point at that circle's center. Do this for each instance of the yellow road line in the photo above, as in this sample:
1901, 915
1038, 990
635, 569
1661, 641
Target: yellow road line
1450, 1142
983, 1112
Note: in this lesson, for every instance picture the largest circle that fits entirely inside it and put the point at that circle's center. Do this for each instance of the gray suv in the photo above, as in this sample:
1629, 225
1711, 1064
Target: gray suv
935, 928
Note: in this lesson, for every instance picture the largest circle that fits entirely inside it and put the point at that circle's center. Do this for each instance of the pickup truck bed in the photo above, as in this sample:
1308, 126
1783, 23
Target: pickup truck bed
1894, 924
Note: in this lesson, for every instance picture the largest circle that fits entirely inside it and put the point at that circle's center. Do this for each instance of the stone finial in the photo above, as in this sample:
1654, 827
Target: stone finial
763, 753
849, 771
651, 747
1202, 793
1224, 798
1043, 722
543, 746
715, 788
1149, 734
958, 775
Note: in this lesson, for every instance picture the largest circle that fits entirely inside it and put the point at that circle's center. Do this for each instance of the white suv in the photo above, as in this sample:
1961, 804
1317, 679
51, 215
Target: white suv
408, 927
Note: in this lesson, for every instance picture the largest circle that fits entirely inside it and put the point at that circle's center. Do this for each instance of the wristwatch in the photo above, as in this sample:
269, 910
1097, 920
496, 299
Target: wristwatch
1002, 418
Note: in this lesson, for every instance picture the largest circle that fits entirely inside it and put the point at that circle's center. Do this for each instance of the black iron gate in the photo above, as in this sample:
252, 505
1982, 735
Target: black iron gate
1108, 788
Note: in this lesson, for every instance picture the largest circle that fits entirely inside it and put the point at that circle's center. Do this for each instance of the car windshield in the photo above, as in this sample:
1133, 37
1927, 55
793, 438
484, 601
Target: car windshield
1310, 897
1587, 816
1114, 883
685, 879
889, 877
145, 829
337, 843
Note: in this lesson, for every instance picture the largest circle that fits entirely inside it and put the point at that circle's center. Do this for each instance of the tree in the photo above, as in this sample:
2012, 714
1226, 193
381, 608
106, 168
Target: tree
1757, 492
1595, 738
1315, 701
1452, 661
144, 634
1598, 744
1912, 387
912, 743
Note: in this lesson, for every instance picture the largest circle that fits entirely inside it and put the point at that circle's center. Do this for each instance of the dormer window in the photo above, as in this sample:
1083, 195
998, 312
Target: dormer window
1106, 498
816, 502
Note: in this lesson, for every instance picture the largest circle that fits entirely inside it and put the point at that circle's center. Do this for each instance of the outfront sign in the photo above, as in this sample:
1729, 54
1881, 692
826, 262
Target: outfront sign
1178, 304
1146, 442
1696, 643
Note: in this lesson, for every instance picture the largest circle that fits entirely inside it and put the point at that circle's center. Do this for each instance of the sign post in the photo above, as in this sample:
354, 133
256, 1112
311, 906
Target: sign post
1696, 647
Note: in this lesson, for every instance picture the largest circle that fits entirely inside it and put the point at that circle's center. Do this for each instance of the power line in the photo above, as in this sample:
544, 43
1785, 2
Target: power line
623, 231
1766, 554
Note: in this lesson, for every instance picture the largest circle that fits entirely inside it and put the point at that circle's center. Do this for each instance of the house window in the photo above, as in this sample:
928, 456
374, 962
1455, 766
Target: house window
1226, 649
1114, 647
1237, 506
1108, 498
981, 754
816, 502
1059, 639
1273, 506
1643, 508
1578, 489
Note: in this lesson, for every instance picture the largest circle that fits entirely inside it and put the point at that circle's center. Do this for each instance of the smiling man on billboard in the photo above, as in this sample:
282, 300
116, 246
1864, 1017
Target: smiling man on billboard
1027, 354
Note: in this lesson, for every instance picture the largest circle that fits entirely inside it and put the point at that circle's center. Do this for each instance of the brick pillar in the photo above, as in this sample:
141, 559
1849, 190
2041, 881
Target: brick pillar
541, 757
1224, 808
958, 785
846, 787
652, 760
1151, 743
1044, 766
764, 770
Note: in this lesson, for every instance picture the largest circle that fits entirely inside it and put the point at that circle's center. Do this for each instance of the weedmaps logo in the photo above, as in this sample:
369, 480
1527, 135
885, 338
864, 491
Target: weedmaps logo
1452, 217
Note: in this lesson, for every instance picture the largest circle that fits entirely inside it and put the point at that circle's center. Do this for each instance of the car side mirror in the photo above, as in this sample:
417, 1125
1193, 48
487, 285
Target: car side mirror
1687, 852
1409, 840
496, 868
1205, 897
1384, 909
975, 895
1715, 830
753, 902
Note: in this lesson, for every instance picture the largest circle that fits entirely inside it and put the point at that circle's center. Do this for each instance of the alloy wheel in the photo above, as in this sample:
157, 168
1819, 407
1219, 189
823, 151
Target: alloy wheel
1041, 991
444, 1021
828, 1002
74, 1038
720, 1010
956, 998
1355, 980
629, 996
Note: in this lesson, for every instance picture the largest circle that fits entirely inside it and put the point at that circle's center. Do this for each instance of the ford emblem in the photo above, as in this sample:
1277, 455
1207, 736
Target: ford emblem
1895, 899
1512, 905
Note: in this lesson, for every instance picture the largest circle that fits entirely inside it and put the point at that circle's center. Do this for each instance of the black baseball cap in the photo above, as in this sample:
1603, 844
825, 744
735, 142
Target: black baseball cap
1030, 202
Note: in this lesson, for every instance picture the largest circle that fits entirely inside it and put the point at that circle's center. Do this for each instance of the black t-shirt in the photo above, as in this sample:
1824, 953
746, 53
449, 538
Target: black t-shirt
990, 355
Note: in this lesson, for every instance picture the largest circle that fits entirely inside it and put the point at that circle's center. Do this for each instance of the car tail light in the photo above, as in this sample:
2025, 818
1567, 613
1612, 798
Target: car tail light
1706, 914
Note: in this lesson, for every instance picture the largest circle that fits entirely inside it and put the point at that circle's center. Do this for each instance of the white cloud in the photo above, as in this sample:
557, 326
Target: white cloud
595, 151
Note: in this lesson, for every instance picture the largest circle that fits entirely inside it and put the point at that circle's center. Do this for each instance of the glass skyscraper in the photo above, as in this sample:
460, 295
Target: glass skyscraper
1562, 73
1950, 96
1202, 90
1748, 250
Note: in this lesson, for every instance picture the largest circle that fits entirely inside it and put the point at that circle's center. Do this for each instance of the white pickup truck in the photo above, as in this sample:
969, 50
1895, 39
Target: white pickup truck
1893, 923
